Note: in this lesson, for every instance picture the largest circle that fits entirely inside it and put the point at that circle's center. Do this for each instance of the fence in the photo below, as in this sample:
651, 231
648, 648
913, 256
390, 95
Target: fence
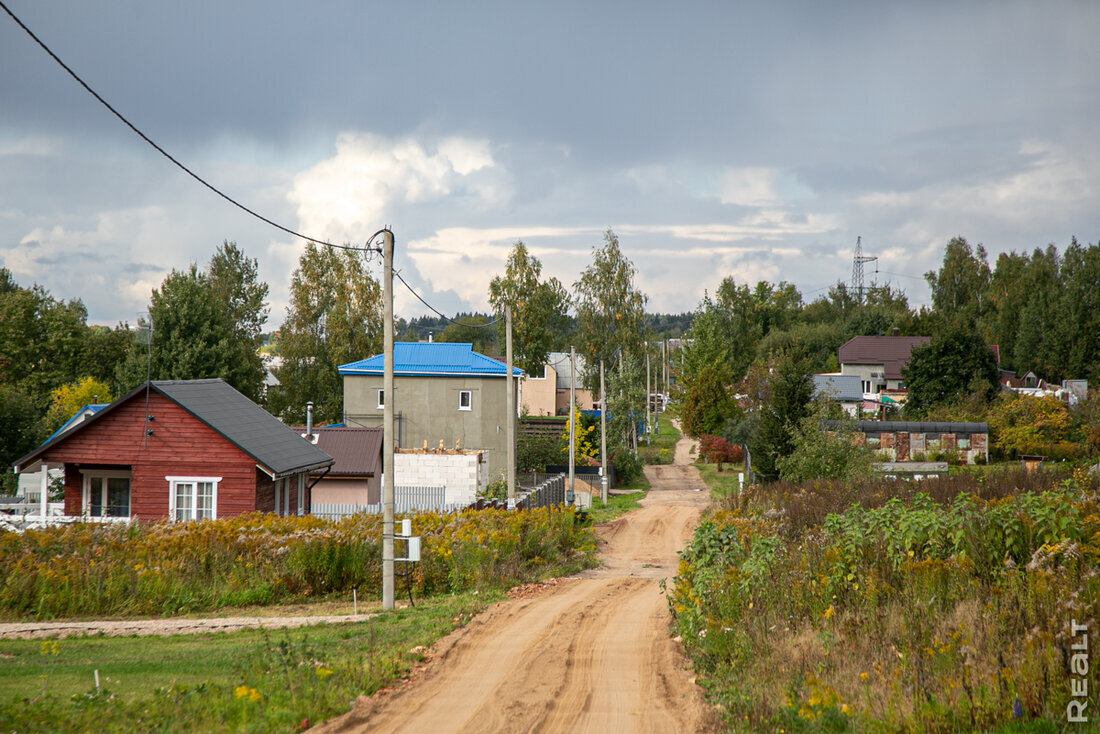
545, 490
406, 499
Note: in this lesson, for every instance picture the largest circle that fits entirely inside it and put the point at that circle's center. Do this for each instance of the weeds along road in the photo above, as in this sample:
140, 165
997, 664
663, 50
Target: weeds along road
591, 655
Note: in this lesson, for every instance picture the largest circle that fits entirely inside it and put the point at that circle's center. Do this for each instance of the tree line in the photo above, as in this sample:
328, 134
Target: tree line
751, 351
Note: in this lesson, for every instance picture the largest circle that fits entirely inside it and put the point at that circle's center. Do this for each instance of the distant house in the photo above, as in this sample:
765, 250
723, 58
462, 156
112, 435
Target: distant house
187, 449
549, 394
878, 360
904, 441
844, 389
446, 393
355, 477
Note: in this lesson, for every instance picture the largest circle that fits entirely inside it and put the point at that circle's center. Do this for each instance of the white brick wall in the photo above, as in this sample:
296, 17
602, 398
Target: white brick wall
463, 474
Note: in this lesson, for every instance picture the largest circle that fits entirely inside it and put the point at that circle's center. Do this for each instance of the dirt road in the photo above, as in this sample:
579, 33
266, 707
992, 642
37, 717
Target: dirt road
592, 655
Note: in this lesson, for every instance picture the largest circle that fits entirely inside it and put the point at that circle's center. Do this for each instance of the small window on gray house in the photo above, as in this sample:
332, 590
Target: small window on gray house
381, 399
465, 400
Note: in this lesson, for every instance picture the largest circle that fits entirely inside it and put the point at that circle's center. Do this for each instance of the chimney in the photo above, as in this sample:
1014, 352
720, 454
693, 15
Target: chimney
309, 419
895, 331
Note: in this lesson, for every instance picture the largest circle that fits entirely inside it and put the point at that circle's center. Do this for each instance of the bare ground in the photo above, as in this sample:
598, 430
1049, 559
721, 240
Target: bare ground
592, 654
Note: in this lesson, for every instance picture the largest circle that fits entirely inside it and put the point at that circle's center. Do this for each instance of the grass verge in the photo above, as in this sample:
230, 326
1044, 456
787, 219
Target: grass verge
256, 680
721, 483
617, 504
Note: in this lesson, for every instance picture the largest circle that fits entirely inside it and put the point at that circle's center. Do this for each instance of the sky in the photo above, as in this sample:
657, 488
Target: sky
753, 140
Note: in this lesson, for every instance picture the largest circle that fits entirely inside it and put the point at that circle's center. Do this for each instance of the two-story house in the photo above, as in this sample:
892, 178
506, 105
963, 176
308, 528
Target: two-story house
444, 392
878, 360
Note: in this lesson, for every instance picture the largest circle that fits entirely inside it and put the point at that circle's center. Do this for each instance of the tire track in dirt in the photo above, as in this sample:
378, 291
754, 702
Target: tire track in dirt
591, 655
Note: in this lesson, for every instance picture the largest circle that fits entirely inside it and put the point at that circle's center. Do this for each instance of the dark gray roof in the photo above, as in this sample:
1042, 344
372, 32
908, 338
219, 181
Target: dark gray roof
275, 447
845, 388
917, 427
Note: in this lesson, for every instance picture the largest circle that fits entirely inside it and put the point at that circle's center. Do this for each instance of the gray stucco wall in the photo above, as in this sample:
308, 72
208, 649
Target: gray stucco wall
429, 411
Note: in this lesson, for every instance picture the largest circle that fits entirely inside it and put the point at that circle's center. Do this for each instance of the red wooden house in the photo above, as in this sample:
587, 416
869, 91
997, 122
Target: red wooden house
186, 449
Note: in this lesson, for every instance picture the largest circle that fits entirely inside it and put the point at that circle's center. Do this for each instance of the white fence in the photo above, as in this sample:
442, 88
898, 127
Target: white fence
406, 499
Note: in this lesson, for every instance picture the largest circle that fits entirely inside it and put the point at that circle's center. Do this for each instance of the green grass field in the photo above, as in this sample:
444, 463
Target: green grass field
250, 680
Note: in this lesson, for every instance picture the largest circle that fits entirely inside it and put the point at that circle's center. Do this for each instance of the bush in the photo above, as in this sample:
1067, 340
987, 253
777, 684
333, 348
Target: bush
164, 568
627, 467
717, 450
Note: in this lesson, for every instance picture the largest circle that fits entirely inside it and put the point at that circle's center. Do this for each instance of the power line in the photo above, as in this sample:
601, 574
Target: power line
161, 150
438, 313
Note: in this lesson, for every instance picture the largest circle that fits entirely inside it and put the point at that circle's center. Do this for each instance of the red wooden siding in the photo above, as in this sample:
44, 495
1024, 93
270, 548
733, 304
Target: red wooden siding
181, 445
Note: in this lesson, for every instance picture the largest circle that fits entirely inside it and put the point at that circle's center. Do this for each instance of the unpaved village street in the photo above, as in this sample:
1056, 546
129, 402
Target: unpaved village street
592, 654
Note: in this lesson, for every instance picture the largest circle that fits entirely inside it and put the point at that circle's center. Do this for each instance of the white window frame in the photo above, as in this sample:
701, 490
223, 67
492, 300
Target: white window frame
380, 398
469, 399
174, 482
86, 494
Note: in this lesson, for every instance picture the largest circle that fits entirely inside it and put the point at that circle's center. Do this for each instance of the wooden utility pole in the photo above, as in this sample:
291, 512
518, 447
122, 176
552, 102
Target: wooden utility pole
511, 407
387, 422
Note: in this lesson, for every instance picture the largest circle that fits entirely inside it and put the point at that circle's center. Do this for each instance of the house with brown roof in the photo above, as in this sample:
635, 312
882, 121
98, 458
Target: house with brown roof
355, 477
878, 360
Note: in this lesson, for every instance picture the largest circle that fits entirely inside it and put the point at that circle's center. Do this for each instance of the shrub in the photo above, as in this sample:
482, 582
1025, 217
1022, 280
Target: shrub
627, 467
717, 450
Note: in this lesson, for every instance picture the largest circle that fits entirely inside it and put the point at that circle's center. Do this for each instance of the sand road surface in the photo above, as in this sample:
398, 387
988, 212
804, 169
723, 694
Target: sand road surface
593, 654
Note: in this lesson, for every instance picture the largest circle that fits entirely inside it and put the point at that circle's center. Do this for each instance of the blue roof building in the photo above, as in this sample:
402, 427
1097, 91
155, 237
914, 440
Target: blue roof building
443, 393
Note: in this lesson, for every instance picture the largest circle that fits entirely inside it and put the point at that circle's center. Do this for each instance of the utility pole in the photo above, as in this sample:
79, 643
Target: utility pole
603, 437
510, 433
572, 409
647, 394
387, 421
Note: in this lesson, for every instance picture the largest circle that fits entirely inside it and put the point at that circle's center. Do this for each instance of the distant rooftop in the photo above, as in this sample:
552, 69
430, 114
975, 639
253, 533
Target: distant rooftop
432, 358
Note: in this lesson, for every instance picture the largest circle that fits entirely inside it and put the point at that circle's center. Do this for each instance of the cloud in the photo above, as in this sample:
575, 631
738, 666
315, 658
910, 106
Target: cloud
760, 187
370, 176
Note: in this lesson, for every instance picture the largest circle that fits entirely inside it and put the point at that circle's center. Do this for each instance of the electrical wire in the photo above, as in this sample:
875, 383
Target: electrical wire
438, 313
161, 150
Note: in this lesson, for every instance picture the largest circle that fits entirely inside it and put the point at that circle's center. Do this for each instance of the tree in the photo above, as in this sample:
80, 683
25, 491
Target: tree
21, 429
825, 453
610, 310
71, 397
787, 391
729, 328
334, 317
236, 287
708, 402
1025, 424
473, 330
205, 323
1081, 292
42, 339
953, 365
191, 334
960, 289
540, 309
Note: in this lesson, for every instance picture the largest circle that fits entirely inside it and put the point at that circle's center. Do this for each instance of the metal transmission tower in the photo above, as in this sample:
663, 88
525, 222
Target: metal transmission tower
857, 270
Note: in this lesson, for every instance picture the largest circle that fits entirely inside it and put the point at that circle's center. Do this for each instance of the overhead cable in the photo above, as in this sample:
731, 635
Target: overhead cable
161, 150
439, 313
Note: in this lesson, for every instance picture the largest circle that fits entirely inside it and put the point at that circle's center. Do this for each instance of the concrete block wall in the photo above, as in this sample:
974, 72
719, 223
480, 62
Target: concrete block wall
463, 473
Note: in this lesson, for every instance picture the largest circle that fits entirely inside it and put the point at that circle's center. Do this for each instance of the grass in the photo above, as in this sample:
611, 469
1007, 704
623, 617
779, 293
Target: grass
721, 484
252, 680
617, 504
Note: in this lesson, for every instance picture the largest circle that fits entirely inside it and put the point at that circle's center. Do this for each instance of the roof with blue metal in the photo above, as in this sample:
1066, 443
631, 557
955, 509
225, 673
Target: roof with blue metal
86, 412
432, 359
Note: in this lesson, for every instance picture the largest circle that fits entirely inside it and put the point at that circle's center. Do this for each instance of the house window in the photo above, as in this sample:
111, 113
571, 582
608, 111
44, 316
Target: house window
465, 400
381, 399
192, 498
107, 494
